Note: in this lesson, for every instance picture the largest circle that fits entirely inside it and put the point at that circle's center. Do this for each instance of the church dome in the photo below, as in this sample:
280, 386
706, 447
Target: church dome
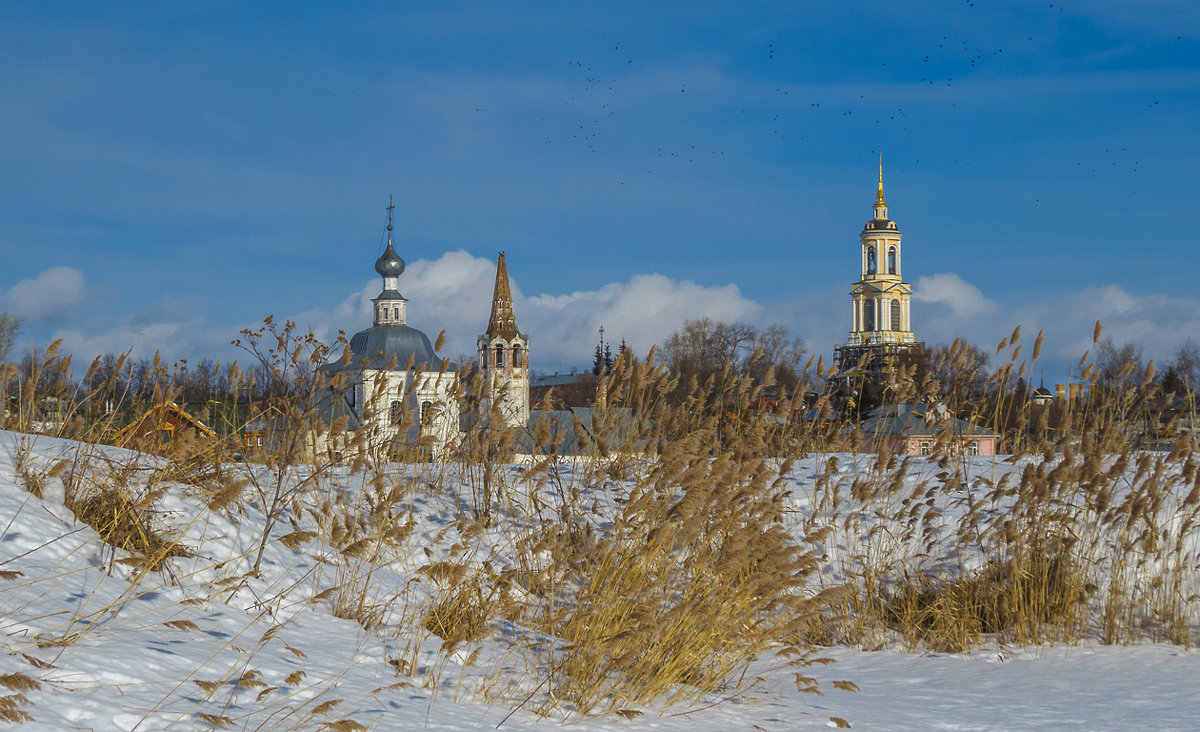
389, 263
384, 346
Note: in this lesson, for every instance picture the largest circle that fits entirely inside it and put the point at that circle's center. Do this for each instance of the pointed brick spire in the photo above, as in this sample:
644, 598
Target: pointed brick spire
502, 323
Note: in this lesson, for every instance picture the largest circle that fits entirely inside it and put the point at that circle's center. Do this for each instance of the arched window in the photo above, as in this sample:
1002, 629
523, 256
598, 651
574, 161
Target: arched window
499, 355
868, 315
517, 356
871, 260
397, 413
396, 314
891, 260
896, 315
426, 414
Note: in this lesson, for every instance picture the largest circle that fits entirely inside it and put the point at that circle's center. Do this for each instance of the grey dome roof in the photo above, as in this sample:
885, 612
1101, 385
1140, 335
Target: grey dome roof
382, 346
389, 263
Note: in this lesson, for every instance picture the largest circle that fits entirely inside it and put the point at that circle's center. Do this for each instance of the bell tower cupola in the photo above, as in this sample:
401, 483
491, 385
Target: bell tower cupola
389, 305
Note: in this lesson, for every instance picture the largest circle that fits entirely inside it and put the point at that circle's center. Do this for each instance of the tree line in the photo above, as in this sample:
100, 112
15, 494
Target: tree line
703, 354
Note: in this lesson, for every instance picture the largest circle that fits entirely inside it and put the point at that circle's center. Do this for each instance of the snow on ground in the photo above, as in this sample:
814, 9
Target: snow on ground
208, 642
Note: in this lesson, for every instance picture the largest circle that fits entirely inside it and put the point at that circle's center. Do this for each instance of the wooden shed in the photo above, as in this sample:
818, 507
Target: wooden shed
162, 426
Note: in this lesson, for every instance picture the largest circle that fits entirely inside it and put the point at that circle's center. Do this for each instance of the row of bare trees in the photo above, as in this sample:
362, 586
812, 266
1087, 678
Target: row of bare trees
705, 349
963, 369
45, 384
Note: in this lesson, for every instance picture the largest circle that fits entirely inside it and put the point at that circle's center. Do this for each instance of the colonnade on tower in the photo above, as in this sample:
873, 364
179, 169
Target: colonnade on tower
880, 301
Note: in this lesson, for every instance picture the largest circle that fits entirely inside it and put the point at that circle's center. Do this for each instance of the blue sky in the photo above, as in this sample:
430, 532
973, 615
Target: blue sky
174, 172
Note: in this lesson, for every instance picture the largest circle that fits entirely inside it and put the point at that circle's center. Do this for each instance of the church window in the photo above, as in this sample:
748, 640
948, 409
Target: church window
396, 314
868, 315
896, 315
516, 356
891, 260
426, 414
397, 412
870, 260
499, 355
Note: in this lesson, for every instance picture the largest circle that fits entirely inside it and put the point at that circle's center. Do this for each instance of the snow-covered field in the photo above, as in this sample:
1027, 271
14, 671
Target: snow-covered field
92, 642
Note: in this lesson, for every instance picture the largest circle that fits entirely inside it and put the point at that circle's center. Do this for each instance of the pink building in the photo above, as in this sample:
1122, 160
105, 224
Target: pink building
914, 429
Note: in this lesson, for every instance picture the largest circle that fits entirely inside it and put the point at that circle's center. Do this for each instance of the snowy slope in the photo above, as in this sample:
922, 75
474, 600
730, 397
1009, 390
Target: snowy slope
209, 642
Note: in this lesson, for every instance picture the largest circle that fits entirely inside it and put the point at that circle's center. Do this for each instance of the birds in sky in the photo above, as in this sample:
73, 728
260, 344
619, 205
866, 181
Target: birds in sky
600, 115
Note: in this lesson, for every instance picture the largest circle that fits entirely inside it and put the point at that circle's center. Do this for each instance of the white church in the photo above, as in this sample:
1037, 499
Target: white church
400, 391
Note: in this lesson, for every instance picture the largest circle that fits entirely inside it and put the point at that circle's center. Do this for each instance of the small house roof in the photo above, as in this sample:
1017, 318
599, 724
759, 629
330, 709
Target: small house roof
910, 420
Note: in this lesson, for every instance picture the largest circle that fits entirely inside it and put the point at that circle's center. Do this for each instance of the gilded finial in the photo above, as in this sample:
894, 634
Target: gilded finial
879, 193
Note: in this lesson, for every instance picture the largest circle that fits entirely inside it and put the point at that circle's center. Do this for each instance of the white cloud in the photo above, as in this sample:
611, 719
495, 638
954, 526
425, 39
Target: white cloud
1159, 323
946, 307
166, 327
48, 296
959, 296
643, 311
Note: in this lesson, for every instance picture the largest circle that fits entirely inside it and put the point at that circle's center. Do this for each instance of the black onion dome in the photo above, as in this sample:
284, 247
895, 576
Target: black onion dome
389, 263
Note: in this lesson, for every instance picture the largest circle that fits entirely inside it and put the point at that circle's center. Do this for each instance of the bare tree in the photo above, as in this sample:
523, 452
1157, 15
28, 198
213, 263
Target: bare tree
702, 347
8, 334
779, 351
1187, 365
1120, 366
960, 370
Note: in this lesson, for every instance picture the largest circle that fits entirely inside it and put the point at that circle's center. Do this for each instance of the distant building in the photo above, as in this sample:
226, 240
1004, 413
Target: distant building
576, 389
1041, 395
881, 319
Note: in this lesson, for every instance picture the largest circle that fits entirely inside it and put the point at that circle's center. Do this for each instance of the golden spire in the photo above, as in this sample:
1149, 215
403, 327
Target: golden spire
879, 193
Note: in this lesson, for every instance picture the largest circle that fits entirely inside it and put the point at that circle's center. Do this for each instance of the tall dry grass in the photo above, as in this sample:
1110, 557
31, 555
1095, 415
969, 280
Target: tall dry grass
648, 553
1086, 531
